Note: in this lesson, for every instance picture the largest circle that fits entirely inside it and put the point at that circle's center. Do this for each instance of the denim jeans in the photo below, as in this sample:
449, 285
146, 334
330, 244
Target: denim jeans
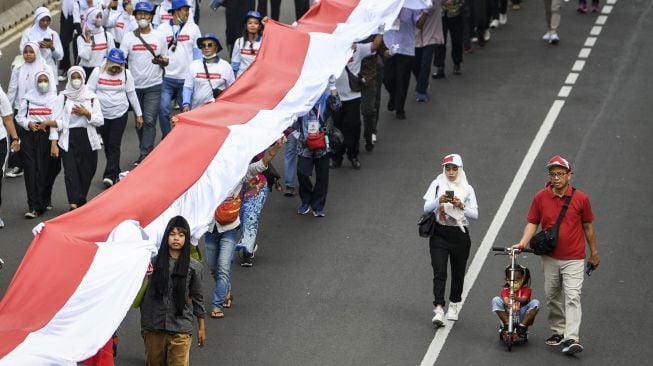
290, 162
422, 67
499, 305
150, 100
219, 249
168, 89
249, 215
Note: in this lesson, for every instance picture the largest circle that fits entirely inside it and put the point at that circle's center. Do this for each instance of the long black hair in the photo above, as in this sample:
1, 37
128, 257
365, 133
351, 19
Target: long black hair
525, 272
180, 270
246, 33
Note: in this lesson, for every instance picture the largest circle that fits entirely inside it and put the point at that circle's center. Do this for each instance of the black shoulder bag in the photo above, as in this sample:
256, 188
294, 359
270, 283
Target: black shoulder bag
545, 241
428, 222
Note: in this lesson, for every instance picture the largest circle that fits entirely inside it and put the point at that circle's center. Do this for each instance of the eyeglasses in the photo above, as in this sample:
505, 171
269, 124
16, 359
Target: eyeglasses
207, 45
557, 174
449, 168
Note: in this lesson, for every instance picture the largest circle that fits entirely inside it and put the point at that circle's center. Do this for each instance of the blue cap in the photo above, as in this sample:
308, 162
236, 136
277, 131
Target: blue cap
144, 6
178, 4
116, 55
212, 36
252, 14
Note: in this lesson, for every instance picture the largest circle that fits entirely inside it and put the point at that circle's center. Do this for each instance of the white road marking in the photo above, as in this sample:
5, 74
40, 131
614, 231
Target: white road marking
564, 91
584, 52
600, 20
578, 66
571, 78
596, 30
590, 41
607, 9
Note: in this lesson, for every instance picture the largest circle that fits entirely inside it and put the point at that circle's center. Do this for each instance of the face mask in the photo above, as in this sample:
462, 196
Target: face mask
180, 21
208, 57
76, 83
43, 87
143, 23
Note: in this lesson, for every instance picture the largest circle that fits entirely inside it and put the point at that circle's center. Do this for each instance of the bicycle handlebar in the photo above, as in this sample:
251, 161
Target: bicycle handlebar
506, 250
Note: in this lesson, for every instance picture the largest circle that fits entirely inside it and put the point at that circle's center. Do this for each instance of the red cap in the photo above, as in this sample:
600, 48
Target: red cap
558, 161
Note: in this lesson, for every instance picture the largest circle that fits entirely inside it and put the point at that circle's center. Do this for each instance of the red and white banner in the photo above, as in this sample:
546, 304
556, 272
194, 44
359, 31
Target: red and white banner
83, 269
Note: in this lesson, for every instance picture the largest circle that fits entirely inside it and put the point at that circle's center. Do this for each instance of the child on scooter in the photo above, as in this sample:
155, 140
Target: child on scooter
527, 307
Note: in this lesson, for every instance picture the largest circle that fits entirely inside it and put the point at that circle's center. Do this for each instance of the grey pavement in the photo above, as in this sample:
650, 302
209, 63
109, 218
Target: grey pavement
354, 288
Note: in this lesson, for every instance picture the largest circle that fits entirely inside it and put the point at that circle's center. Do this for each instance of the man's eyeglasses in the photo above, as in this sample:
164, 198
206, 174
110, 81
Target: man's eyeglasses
207, 45
557, 174
450, 168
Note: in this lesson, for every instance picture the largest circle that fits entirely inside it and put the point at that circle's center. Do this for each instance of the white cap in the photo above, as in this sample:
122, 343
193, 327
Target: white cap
454, 159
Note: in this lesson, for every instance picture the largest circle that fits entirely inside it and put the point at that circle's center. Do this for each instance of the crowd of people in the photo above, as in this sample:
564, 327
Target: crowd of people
150, 58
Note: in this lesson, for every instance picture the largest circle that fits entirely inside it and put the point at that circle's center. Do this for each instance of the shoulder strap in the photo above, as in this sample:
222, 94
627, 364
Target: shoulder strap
565, 207
206, 71
27, 109
147, 46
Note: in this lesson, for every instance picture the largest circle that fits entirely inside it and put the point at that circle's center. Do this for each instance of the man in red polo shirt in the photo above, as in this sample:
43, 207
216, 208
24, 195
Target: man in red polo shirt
564, 266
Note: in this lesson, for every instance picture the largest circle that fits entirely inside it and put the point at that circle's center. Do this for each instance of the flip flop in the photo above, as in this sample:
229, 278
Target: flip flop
217, 313
227, 301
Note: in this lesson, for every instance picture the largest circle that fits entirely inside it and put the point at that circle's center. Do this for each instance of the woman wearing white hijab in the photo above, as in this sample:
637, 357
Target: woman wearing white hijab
40, 156
454, 202
79, 114
47, 39
94, 44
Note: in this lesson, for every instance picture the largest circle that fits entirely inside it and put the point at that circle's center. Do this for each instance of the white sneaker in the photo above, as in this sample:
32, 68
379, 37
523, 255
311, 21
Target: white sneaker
373, 138
494, 23
452, 312
546, 36
503, 19
486, 36
554, 38
438, 317
2, 223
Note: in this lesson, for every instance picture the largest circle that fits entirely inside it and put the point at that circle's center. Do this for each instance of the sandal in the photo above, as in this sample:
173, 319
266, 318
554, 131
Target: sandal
217, 313
554, 340
227, 301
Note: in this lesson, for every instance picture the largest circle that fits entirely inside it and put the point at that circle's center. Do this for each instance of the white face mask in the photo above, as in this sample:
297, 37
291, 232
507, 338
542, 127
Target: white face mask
143, 23
208, 57
43, 86
76, 83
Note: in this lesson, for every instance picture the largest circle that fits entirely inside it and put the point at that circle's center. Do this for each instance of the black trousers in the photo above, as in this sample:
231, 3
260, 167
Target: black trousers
79, 164
111, 133
66, 30
348, 120
275, 8
16, 159
313, 195
396, 78
479, 18
455, 26
235, 12
450, 245
301, 7
40, 169
3, 156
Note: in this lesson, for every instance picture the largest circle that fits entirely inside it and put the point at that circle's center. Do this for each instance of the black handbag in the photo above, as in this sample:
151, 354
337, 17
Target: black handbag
427, 223
545, 241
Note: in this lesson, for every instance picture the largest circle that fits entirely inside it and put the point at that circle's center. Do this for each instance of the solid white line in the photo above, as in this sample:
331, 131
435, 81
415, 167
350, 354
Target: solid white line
571, 78
564, 91
607, 9
590, 41
508, 200
584, 52
578, 66
601, 19
596, 30
611, 1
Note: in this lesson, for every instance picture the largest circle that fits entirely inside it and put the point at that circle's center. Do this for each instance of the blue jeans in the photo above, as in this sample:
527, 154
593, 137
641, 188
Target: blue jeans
290, 161
168, 89
249, 214
219, 249
498, 305
150, 100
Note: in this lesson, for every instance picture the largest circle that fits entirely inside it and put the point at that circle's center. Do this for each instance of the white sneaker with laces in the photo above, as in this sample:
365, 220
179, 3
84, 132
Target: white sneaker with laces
503, 19
452, 312
438, 317
494, 23
486, 35
546, 36
373, 138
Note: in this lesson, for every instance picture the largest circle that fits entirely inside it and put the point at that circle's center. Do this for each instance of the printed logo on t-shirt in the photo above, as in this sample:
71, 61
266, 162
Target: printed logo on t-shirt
183, 37
212, 75
120, 25
109, 82
166, 17
99, 47
141, 47
248, 51
40, 111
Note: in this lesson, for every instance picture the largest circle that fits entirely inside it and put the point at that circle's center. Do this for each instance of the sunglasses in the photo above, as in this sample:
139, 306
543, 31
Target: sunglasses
208, 45
450, 168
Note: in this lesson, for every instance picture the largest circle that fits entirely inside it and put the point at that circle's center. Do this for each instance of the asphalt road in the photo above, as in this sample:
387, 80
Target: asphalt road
354, 288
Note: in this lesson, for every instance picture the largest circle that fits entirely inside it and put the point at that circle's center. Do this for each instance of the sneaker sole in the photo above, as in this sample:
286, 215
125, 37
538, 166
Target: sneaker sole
573, 349
438, 323
452, 318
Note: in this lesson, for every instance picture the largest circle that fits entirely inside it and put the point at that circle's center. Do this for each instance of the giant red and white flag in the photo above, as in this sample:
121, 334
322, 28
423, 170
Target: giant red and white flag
83, 269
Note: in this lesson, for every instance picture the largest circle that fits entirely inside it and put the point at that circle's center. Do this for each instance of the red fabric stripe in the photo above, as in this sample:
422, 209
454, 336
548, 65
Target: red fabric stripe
60, 256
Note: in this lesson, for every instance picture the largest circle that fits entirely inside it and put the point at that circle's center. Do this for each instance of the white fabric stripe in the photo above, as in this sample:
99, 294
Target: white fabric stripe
97, 307
327, 55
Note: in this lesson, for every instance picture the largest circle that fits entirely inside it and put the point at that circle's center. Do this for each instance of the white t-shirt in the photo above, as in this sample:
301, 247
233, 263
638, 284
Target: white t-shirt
182, 55
245, 53
163, 16
5, 110
113, 92
354, 65
92, 54
118, 23
221, 75
146, 74
35, 113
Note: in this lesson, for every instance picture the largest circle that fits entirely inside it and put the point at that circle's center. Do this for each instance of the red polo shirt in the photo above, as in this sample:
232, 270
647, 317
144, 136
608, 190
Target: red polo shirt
544, 211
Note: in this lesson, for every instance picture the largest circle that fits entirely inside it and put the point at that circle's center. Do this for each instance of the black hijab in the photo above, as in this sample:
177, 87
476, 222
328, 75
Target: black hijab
180, 270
